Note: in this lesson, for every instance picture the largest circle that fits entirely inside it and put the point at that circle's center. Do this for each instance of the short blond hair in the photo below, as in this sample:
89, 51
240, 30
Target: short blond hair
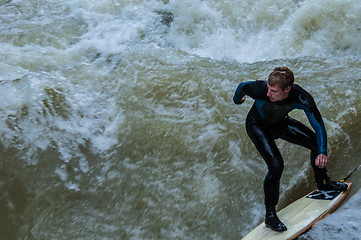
281, 76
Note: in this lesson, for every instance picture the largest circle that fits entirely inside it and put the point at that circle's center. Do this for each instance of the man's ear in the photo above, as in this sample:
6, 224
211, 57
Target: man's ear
288, 89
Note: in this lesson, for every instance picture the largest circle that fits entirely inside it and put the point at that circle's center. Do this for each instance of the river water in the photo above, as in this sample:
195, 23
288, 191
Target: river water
117, 120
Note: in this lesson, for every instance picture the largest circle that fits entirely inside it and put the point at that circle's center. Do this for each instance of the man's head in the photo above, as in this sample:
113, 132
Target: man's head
279, 83
281, 76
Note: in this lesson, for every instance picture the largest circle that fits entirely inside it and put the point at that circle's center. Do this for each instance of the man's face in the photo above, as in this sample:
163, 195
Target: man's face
275, 93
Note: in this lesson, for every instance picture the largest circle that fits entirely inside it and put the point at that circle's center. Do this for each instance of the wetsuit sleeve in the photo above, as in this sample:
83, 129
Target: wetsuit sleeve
238, 95
254, 89
308, 104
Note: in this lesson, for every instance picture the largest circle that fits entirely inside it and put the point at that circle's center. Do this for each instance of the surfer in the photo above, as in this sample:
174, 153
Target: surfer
268, 120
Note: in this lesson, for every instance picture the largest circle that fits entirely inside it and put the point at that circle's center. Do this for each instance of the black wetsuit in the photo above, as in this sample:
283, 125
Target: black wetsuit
268, 120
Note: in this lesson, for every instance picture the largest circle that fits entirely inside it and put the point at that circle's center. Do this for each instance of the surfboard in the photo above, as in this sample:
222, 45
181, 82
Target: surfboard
301, 215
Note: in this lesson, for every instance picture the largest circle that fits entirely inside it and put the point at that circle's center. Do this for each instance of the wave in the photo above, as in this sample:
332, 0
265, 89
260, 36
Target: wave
117, 113
250, 31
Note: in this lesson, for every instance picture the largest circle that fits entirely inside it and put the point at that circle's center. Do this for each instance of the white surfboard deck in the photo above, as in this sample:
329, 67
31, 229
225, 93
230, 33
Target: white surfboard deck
298, 217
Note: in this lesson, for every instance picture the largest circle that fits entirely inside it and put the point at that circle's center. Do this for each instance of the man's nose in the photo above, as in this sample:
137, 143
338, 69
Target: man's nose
268, 93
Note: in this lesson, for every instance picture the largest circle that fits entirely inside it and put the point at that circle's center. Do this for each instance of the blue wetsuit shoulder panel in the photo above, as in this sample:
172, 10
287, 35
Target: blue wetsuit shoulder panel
306, 102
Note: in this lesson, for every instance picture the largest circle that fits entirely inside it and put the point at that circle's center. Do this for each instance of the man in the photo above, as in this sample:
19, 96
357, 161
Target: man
268, 120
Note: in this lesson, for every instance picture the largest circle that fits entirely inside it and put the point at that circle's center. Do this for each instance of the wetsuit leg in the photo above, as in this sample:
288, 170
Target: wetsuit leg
297, 133
263, 139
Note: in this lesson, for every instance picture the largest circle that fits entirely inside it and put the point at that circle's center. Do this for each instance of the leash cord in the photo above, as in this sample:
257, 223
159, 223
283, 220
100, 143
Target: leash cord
348, 176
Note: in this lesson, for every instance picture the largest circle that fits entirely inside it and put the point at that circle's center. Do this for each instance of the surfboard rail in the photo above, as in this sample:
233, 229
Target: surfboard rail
299, 216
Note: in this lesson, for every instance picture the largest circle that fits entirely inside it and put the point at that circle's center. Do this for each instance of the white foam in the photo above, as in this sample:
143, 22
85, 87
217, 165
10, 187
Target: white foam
265, 29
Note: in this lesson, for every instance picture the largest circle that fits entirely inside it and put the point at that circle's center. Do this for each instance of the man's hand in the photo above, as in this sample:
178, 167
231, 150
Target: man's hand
321, 161
243, 99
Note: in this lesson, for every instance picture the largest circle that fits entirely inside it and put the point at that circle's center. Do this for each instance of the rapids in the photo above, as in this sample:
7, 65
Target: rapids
117, 120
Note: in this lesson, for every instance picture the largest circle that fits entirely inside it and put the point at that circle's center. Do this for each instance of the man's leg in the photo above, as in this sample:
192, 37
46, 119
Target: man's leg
266, 146
297, 133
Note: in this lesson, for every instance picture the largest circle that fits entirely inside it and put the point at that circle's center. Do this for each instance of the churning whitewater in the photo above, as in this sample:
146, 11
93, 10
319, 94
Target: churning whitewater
117, 120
